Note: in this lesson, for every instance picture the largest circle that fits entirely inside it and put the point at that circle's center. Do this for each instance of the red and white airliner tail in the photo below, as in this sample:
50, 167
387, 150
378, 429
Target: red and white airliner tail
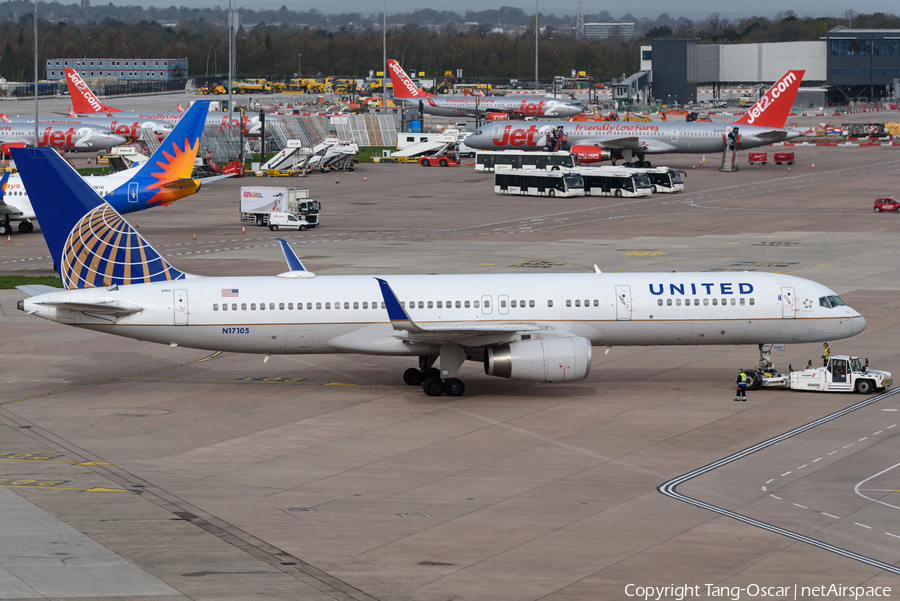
773, 107
403, 85
83, 100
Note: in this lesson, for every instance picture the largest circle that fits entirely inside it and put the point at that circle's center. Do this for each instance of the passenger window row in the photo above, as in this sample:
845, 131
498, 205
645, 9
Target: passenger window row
375, 305
587, 303
715, 302
290, 306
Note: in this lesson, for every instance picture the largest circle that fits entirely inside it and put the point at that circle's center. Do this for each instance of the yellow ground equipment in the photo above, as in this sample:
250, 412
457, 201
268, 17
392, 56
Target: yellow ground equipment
633, 117
215, 89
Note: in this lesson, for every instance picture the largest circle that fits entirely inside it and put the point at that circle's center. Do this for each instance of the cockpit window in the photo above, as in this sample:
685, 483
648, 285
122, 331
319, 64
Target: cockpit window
830, 302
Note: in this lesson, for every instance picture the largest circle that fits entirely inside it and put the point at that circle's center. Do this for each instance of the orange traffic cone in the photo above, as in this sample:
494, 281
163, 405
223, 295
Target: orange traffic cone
89, 161
789, 169
8, 239
813, 165
365, 179
336, 181
137, 224
195, 235
243, 230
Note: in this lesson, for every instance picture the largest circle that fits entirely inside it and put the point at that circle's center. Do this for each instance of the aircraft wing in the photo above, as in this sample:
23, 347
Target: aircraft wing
215, 178
630, 143
775, 135
116, 308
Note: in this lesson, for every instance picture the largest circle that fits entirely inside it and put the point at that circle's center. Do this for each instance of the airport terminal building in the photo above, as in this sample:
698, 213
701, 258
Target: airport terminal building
855, 64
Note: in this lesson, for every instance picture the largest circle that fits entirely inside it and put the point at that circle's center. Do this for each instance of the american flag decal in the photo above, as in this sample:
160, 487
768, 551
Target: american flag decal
230, 293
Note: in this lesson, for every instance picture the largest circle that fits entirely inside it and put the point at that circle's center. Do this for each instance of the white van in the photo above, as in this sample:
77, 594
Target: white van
287, 221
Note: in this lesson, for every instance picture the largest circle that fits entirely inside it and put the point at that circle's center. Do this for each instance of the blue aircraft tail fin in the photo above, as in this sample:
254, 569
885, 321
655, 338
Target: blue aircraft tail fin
174, 159
91, 245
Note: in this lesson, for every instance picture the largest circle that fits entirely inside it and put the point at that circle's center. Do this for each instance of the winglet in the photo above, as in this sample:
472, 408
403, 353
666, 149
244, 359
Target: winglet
400, 319
5, 118
297, 270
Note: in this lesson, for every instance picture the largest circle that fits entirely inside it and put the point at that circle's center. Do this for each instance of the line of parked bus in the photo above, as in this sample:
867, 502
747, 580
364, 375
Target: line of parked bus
559, 174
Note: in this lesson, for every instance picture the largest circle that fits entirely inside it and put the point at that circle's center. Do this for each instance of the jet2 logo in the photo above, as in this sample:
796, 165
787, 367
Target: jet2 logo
405, 80
85, 91
771, 96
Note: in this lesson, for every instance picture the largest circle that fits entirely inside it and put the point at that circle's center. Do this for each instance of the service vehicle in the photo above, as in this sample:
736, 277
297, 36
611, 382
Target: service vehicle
491, 160
447, 159
251, 86
258, 202
214, 89
287, 221
528, 182
784, 157
843, 373
886, 204
757, 157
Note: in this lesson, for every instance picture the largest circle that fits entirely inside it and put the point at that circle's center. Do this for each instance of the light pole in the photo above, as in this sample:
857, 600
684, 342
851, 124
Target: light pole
299, 70
536, 30
230, 29
384, 50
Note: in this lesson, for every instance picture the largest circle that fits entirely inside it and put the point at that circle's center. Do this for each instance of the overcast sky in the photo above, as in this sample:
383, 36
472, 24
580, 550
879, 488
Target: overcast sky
648, 8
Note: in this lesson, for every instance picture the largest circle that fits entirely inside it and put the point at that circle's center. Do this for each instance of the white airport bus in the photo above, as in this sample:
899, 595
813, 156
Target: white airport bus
602, 181
491, 160
529, 182
665, 180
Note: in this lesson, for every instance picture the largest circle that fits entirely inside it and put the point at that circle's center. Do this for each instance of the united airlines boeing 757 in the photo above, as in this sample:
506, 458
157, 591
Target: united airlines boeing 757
535, 327
762, 125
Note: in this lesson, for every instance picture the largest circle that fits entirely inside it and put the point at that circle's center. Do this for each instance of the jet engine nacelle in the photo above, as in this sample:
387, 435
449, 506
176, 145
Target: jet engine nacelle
544, 360
4, 148
591, 154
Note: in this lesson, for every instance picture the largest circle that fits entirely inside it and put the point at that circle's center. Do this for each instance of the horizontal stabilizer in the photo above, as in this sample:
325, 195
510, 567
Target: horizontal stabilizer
105, 307
36, 289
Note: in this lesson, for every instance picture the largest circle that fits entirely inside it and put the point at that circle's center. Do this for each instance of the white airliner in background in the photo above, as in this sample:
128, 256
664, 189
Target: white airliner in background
535, 327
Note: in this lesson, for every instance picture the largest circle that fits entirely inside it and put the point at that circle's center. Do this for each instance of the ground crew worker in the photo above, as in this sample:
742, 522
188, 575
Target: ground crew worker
826, 354
741, 394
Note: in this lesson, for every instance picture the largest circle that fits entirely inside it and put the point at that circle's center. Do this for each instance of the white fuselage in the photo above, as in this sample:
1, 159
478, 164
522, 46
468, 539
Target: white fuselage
345, 314
16, 197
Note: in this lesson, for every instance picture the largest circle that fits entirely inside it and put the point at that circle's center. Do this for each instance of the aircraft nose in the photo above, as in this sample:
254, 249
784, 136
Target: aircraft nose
857, 324
116, 139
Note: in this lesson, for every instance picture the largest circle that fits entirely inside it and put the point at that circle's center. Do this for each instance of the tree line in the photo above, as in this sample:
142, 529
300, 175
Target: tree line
272, 51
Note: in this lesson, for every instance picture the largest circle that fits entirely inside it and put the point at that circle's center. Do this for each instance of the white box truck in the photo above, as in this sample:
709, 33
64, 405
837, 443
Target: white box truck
258, 202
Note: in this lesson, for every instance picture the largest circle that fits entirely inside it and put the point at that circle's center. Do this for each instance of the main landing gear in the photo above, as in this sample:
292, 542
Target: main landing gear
432, 380
639, 162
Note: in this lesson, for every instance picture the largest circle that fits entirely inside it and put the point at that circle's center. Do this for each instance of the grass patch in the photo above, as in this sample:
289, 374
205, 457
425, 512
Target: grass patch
8, 282
367, 152
94, 171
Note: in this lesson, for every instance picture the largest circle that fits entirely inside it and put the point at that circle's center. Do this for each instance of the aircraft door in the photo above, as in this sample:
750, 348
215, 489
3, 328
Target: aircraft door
181, 307
132, 192
674, 135
788, 303
623, 303
486, 305
503, 304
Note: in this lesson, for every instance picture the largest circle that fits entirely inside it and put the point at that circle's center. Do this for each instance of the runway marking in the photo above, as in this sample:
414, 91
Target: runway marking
857, 488
861, 439
894, 535
553, 441
216, 355
831, 516
774, 497
800, 506
879, 432
819, 459
832, 453
770, 481
670, 488
892, 425
863, 525
849, 445
785, 474
802, 466
765, 489
889, 410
